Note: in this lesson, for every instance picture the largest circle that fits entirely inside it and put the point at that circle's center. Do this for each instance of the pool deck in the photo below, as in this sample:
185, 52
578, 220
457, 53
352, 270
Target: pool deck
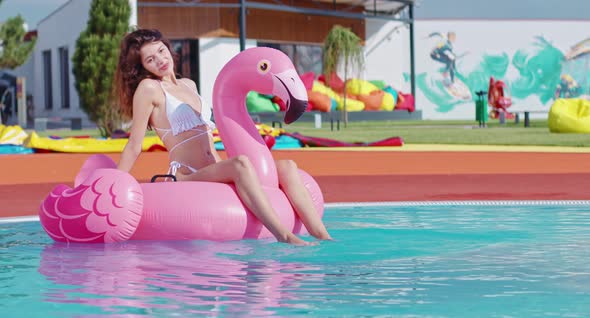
408, 173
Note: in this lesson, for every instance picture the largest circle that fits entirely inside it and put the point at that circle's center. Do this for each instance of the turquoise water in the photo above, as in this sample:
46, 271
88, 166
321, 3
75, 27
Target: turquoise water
401, 261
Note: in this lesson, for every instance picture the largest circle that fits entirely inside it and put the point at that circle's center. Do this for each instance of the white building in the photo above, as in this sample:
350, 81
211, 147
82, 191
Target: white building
51, 82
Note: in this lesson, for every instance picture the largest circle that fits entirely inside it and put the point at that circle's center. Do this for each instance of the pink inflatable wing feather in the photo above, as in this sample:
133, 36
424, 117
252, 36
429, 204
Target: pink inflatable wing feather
78, 236
48, 205
66, 206
105, 207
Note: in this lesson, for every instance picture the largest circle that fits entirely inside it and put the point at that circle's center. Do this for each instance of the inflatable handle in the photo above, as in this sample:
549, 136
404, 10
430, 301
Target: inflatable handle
155, 177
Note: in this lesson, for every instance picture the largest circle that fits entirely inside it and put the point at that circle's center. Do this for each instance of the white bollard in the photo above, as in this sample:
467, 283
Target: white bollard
317, 120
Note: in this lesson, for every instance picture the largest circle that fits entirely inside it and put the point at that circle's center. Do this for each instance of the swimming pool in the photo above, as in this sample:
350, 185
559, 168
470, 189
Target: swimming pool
452, 259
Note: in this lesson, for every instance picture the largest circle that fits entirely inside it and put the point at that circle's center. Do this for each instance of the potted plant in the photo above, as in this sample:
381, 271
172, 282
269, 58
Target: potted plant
342, 49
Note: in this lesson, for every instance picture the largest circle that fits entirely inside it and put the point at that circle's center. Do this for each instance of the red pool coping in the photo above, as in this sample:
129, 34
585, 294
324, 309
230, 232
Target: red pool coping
349, 176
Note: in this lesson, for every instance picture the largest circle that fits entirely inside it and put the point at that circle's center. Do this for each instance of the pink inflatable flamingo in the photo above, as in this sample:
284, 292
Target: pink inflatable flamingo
108, 205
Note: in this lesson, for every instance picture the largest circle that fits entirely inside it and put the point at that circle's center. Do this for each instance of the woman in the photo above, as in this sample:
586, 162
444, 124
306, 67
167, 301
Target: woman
152, 95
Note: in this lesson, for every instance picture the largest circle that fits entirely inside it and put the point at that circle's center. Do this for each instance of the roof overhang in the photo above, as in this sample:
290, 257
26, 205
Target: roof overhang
391, 7
371, 9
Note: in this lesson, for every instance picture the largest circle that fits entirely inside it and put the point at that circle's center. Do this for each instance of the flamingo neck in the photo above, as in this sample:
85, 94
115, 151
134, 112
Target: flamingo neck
239, 133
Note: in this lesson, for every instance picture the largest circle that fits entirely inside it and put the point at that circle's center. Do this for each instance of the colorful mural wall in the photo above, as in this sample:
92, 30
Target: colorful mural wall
538, 60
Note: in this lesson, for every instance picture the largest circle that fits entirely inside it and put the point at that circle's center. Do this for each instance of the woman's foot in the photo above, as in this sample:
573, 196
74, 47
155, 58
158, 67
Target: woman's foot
321, 233
292, 239
325, 237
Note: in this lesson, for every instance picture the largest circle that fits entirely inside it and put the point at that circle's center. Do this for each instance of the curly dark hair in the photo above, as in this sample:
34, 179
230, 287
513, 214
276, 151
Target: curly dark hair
130, 72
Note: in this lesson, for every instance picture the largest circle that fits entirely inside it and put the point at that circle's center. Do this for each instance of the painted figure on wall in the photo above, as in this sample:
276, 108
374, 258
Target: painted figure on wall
449, 82
443, 52
575, 74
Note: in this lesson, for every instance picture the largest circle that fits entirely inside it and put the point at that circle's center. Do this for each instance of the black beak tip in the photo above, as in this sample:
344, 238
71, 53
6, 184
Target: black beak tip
295, 110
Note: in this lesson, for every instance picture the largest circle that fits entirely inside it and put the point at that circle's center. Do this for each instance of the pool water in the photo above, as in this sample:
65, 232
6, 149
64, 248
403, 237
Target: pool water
455, 260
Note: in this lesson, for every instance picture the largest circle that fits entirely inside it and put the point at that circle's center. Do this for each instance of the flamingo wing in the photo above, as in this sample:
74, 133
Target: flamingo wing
106, 207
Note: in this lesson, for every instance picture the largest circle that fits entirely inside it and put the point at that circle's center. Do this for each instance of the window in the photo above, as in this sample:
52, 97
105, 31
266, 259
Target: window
64, 66
305, 58
188, 58
47, 79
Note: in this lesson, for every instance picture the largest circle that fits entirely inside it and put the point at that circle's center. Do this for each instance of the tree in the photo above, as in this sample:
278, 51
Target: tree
342, 46
95, 62
14, 50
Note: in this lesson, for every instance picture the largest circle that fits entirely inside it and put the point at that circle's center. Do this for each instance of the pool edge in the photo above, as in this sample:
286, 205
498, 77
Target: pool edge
34, 218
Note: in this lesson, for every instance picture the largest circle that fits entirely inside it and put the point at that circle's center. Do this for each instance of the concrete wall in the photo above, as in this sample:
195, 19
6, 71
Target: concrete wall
59, 29
387, 54
214, 54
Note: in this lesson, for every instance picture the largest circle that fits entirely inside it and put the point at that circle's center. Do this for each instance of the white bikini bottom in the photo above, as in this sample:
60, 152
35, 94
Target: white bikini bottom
175, 165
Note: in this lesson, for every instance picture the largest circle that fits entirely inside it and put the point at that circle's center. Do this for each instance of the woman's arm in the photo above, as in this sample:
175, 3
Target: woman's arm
143, 105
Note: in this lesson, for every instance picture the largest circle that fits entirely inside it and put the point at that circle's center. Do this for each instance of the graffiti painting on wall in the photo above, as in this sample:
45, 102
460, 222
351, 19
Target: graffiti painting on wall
542, 70
443, 52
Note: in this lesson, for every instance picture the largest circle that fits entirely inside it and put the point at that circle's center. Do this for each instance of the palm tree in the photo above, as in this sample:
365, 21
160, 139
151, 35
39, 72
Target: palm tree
342, 46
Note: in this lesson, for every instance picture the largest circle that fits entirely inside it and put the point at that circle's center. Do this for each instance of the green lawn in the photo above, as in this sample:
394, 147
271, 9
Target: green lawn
424, 132
446, 132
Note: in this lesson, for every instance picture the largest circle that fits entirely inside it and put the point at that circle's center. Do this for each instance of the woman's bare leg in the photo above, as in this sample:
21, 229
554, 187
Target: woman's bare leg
239, 170
292, 184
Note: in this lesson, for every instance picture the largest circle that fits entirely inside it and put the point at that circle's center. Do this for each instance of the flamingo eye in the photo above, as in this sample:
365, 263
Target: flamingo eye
263, 66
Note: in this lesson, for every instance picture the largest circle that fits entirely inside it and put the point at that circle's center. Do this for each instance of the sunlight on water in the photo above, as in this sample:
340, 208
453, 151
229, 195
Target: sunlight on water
413, 261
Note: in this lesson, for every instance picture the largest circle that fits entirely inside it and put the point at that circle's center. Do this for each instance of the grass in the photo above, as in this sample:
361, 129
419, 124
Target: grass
446, 132
422, 132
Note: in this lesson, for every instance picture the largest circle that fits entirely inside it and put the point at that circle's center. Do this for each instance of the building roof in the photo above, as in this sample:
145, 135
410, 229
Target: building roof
381, 6
342, 8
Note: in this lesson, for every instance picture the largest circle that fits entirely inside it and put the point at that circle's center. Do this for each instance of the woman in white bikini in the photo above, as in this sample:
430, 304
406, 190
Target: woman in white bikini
153, 97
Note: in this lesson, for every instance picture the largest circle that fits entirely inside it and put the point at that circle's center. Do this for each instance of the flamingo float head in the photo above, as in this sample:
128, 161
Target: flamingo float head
267, 71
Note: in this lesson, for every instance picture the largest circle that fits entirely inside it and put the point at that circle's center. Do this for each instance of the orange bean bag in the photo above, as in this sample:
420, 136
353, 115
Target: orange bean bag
319, 101
373, 100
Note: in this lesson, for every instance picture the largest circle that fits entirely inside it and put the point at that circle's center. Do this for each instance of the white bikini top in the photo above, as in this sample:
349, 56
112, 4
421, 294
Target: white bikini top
183, 117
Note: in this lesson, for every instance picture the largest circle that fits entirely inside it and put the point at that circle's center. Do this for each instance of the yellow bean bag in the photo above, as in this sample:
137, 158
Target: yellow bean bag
322, 88
570, 116
12, 135
357, 86
352, 104
388, 102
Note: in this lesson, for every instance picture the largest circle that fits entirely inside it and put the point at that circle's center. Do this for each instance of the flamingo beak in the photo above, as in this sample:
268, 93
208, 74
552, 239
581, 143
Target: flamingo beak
295, 108
289, 87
